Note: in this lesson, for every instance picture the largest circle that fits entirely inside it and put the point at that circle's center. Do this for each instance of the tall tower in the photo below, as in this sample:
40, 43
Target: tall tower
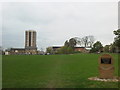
30, 39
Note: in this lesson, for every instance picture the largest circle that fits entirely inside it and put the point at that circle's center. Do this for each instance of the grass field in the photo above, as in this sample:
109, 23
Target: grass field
53, 71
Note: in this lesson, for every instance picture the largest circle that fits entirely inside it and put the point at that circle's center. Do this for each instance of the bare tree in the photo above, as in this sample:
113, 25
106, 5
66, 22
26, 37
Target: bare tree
91, 40
85, 41
78, 40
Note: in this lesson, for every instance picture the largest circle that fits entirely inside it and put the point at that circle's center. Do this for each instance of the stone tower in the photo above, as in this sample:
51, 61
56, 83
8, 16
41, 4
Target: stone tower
30, 42
30, 39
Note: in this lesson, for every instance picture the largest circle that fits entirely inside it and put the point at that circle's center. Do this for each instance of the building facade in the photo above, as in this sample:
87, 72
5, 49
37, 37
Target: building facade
30, 39
30, 42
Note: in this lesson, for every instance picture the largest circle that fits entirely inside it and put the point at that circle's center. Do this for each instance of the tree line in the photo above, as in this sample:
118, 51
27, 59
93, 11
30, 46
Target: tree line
88, 42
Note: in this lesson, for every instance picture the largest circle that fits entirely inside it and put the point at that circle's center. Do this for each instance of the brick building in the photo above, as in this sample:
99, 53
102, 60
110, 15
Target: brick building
80, 49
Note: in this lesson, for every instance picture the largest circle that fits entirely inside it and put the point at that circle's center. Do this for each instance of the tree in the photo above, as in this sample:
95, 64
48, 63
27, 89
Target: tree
107, 48
78, 41
59, 51
85, 41
91, 40
117, 38
66, 43
68, 47
70, 50
72, 42
112, 48
49, 50
97, 47
63, 50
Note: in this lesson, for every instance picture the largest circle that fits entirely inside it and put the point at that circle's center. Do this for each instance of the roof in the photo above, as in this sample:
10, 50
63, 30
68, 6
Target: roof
61, 46
56, 47
17, 48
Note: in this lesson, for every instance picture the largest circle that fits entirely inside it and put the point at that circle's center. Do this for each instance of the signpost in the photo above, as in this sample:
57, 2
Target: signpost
106, 68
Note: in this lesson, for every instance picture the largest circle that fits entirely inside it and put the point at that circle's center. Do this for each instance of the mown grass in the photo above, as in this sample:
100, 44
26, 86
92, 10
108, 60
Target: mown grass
53, 71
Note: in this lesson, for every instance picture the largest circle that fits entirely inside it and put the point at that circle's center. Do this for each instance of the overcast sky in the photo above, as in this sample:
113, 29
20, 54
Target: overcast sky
57, 22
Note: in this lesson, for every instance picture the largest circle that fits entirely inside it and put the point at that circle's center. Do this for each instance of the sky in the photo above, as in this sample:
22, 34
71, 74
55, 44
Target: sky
56, 22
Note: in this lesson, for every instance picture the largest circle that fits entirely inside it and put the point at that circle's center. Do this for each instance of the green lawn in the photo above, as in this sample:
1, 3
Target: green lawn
53, 71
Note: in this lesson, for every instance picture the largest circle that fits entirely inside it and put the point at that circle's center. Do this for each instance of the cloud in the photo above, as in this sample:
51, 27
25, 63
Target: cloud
57, 22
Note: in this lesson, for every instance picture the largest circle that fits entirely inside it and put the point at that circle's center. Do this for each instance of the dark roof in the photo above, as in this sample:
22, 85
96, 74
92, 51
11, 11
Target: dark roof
17, 48
61, 46
56, 47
